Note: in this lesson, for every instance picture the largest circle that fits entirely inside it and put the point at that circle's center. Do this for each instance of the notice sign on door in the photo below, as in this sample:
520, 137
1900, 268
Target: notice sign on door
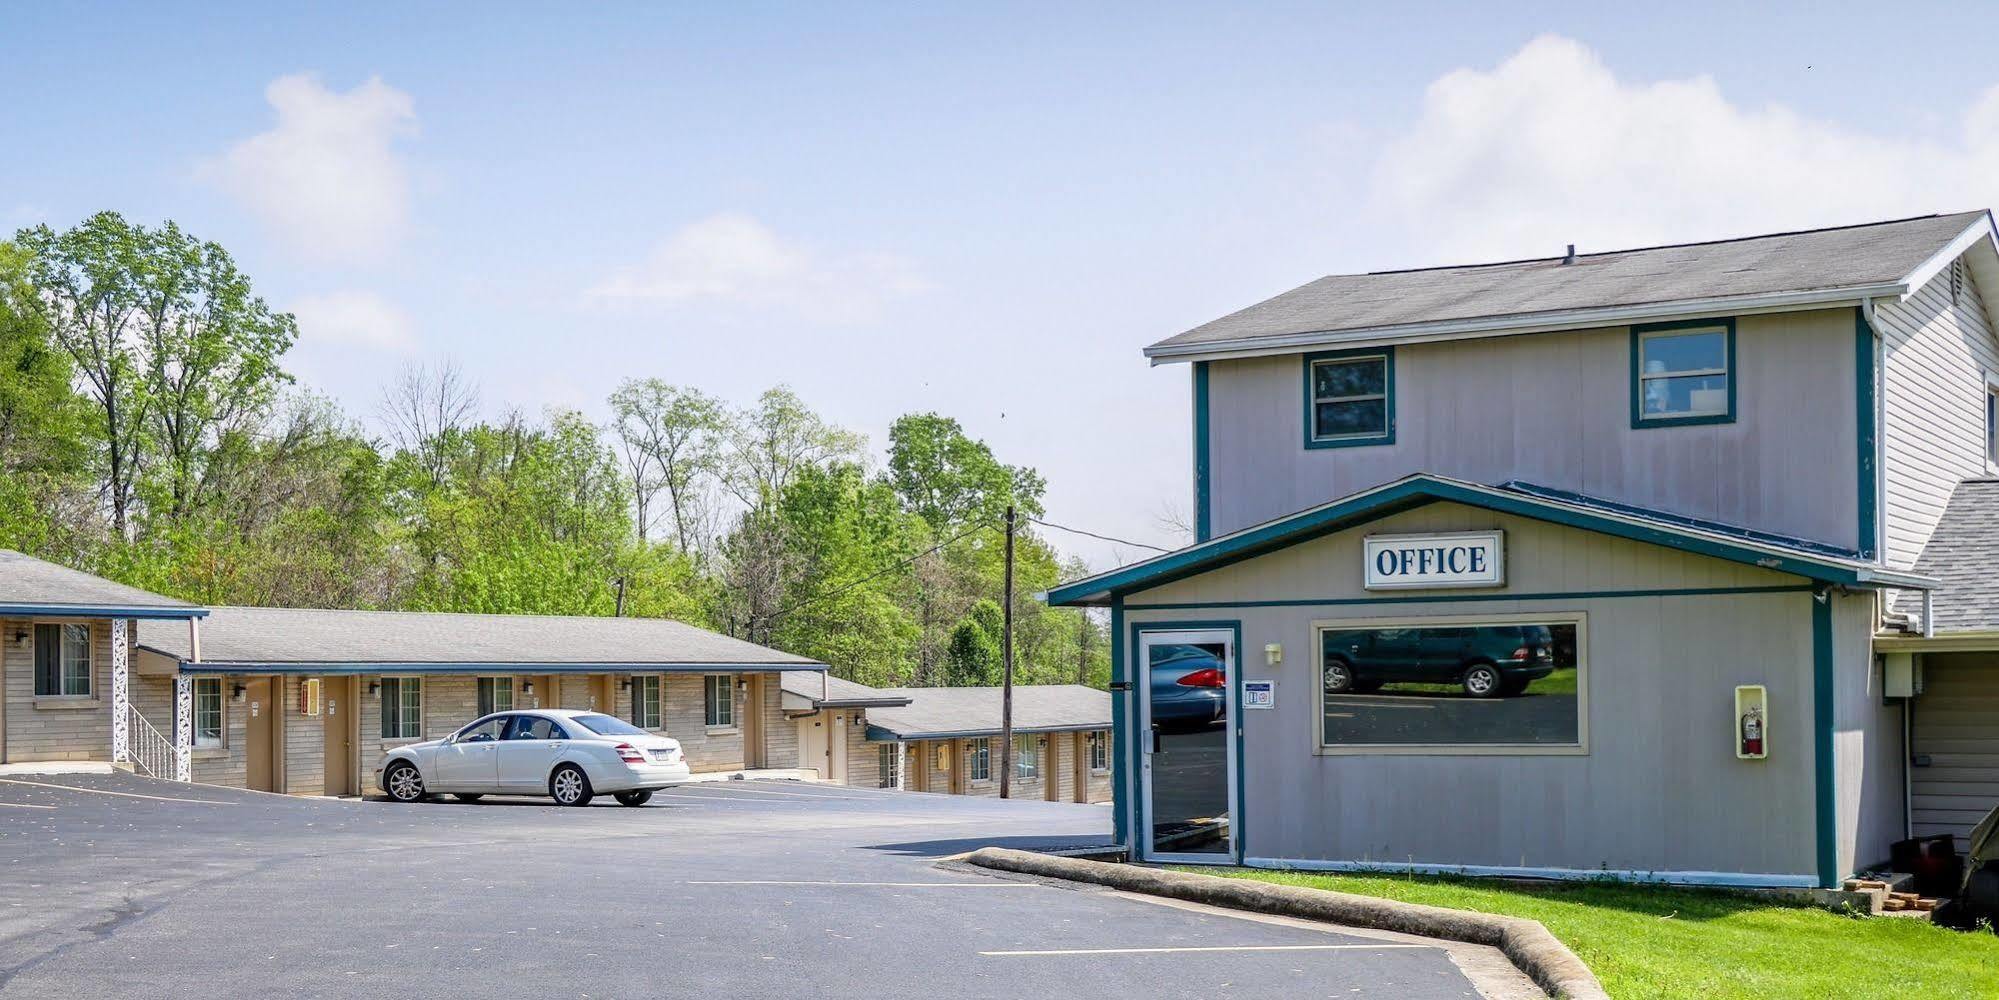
1452, 559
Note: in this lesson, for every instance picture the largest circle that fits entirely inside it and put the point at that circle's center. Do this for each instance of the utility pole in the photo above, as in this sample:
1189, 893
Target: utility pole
1006, 666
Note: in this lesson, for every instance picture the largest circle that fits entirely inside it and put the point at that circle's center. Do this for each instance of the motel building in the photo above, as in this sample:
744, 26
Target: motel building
306, 702
1663, 564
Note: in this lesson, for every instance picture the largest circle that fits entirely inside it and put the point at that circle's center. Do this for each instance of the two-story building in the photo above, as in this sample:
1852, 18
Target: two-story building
1629, 563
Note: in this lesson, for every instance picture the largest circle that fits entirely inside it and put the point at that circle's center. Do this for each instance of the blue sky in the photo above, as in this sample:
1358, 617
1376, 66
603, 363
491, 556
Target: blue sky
981, 211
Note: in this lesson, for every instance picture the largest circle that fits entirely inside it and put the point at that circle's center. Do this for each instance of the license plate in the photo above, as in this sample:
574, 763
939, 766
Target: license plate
662, 755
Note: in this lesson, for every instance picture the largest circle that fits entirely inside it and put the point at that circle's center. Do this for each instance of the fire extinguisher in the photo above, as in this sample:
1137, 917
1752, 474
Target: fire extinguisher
1752, 733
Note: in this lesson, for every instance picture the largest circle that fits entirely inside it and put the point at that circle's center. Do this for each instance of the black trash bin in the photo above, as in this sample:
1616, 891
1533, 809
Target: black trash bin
1932, 860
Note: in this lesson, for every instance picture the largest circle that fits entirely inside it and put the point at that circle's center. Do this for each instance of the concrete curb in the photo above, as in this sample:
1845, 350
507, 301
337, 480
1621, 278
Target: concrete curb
1526, 943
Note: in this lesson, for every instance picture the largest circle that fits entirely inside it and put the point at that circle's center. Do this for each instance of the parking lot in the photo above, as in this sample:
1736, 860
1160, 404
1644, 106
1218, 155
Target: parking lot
117, 885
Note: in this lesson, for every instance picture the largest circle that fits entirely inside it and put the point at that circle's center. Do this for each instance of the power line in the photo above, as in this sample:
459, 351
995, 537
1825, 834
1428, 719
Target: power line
1092, 534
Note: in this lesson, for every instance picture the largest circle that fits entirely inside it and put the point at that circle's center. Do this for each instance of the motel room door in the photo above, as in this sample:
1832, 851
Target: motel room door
338, 714
1187, 750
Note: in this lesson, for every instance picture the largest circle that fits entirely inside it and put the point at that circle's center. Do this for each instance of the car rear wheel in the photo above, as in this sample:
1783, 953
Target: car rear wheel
1339, 677
569, 786
1482, 680
403, 782
468, 796
637, 798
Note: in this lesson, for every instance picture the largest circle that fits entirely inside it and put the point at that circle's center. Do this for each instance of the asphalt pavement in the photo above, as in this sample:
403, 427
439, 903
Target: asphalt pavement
114, 885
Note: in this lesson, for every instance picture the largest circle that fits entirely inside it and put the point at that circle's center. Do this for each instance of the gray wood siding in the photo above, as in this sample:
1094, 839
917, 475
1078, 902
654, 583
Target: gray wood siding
1660, 788
1957, 724
1867, 740
1936, 357
1554, 409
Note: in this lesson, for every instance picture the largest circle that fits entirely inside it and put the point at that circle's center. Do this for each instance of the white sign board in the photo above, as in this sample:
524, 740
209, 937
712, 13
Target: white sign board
1450, 559
1259, 694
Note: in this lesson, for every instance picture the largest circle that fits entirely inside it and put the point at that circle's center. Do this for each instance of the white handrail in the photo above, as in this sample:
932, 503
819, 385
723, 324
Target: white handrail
151, 752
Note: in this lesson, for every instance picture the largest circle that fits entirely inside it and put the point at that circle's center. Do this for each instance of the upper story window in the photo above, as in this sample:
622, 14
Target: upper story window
1683, 373
1991, 422
1350, 398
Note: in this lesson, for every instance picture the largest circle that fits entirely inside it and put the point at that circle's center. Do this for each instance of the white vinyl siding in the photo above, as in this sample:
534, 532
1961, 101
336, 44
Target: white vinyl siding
1940, 357
1953, 734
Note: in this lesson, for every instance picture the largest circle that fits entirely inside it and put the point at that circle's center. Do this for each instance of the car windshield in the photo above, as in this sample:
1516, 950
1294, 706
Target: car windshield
605, 725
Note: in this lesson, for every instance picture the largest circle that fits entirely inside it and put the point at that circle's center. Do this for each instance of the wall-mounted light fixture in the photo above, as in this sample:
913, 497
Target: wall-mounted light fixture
742, 683
624, 683
1273, 653
20, 637
237, 691
527, 687
374, 688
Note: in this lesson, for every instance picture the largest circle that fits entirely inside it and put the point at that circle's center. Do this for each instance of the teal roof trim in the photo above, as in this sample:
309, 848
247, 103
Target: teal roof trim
1419, 490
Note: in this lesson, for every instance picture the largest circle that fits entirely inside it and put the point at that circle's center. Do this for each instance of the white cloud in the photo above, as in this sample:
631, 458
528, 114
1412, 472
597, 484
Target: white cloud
327, 178
1551, 147
355, 319
733, 258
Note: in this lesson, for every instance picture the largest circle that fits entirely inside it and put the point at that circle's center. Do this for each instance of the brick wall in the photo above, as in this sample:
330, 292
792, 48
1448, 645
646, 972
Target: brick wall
51, 728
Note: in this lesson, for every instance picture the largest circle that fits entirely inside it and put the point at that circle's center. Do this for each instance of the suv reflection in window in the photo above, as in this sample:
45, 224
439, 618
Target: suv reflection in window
1483, 661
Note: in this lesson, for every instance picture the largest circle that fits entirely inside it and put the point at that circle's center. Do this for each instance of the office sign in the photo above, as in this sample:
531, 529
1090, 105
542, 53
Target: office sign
1259, 694
1449, 559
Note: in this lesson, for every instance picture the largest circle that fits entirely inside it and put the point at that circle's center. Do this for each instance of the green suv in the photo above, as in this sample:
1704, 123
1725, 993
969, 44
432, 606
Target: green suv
1486, 661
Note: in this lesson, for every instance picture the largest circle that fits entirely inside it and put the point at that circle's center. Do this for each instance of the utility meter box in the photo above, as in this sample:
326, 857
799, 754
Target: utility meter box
1898, 675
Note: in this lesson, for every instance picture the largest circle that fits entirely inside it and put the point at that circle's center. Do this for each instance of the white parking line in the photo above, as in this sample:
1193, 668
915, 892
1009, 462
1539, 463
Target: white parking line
24, 805
773, 791
106, 791
881, 885
1173, 951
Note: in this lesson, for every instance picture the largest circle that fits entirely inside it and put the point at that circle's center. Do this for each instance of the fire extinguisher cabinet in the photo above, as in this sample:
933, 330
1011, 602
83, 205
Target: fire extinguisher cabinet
1752, 722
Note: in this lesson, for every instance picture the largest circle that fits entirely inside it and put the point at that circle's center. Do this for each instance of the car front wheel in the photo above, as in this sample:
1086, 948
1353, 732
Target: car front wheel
638, 798
569, 786
1482, 680
403, 782
1339, 677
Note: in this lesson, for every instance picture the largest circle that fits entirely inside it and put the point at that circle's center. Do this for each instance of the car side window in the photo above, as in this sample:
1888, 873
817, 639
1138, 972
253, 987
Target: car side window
533, 727
482, 732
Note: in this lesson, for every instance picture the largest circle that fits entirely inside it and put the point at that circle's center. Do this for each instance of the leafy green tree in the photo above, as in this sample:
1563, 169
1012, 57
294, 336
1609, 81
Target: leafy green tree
949, 479
669, 435
976, 651
170, 340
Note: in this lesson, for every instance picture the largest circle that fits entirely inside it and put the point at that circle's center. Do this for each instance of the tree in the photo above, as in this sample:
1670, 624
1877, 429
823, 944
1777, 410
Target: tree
425, 409
87, 280
771, 443
669, 438
949, 479
975, 656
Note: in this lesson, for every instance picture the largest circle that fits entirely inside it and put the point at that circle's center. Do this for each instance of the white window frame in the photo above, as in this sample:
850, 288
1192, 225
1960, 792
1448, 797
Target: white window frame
1386, 395
648, 687
492, 689
1099, 749
978, 758
204, 689
401, 683
1989, 417
1027, 761
1726, 373
1580, 748
718, 692
888, 764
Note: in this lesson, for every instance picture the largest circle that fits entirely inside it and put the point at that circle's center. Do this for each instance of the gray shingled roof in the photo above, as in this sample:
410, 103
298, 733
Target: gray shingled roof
1959, 555
836, 692
935, 712
29, 584
1849, 257
280, 637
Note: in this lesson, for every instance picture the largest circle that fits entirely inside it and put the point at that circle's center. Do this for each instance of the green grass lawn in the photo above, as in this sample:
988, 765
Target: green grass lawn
1647, 942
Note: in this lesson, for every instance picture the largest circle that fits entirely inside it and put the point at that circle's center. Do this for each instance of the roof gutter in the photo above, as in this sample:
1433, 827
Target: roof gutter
1518, 323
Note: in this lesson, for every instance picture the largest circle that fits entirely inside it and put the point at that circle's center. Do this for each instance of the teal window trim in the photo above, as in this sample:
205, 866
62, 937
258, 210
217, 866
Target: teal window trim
1866, 386
1202, 523
1123, 735
1637, 389
1387, 435
1824, 788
